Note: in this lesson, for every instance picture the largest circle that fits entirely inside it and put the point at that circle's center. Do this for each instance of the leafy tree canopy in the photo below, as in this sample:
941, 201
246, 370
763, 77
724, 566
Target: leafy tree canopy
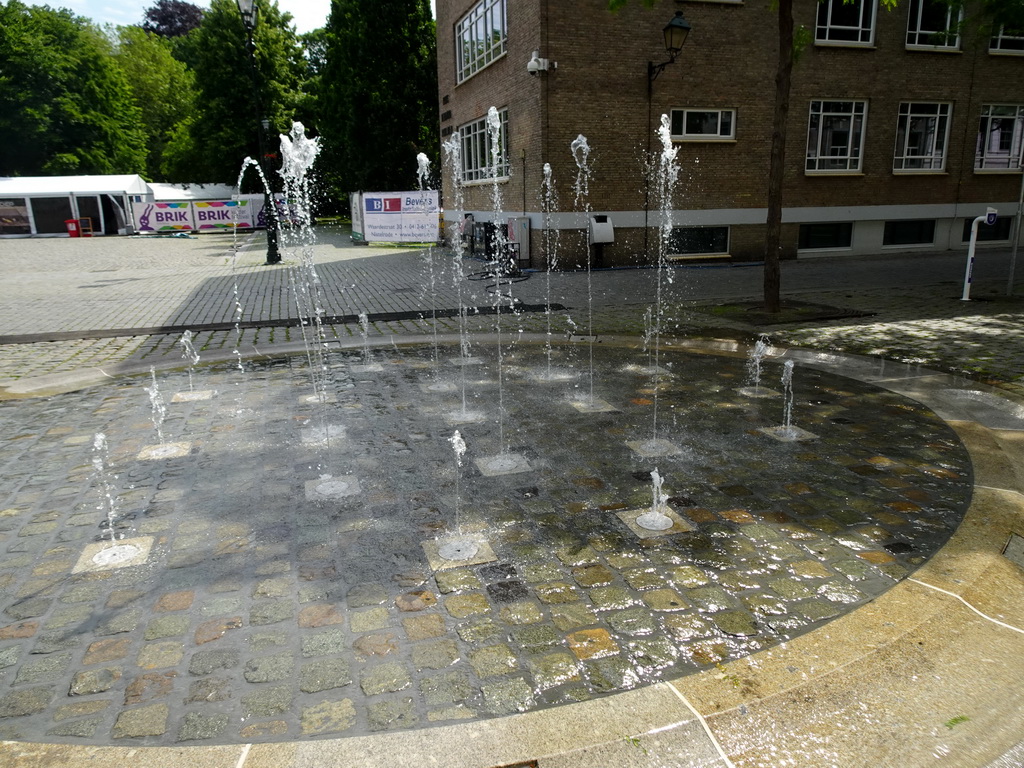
172, 18
65, 105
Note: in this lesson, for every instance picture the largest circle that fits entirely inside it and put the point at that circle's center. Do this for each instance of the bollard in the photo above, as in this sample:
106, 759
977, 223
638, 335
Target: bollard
990, 219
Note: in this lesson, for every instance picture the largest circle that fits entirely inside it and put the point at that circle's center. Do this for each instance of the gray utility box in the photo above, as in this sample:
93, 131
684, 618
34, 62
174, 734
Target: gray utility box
601, 229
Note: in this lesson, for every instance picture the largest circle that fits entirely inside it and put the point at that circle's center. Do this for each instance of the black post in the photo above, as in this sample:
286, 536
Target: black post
269, 209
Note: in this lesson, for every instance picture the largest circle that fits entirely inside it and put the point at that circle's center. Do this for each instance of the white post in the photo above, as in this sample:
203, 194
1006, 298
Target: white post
988, 218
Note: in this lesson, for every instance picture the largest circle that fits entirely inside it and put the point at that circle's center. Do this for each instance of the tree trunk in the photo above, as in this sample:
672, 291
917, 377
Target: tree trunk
773, 237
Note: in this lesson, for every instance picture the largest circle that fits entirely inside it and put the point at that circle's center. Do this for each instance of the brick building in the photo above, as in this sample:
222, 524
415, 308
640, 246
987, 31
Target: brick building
902, 126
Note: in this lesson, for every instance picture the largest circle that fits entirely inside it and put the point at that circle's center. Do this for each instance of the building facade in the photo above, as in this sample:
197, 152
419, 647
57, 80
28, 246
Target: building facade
903, 125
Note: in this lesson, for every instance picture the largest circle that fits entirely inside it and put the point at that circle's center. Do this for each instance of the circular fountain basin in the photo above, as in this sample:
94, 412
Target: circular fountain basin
774, 538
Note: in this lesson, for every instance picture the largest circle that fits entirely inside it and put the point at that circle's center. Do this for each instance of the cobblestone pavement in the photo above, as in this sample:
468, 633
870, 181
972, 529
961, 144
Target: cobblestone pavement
225, 615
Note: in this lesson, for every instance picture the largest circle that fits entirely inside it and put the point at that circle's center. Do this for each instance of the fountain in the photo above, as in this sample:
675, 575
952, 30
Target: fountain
579, 589
787, 431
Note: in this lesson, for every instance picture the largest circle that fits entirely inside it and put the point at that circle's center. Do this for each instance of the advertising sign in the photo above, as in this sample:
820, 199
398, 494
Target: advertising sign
400, 217
14, 217
204, 216
162, 217
355, 202
212, 215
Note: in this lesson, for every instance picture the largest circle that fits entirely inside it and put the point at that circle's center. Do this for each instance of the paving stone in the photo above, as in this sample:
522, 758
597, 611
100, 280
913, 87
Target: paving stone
259, 731
330, 642
84, 728
271, 612
480, 630
149, 686
664, 600
206, 662
553, 669
417, 600
613, 673
94, 681
423, 627
174, 625
592, 643
43, 670
385, 678
268, 701
265, 641
175, 601
209, 689
506, 697
9, 656
197, 726
380, 644
80, 709
324, 675
144, 721
471, 604
456, 580
157, 655
435, 655
364, 595
269, 669
327, 717
446, 688
523, 612
391, 714
492, 660
320, 616
369, 620
215, 629
27, 701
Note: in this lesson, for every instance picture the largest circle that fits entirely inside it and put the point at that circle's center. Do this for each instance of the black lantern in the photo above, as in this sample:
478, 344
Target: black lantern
248, 10
675, 33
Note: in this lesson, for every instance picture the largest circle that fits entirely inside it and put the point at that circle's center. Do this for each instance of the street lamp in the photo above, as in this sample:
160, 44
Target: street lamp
675, 33
248, 10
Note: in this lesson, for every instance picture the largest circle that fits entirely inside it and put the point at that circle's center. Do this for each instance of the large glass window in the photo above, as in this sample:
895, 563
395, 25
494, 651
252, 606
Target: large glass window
1004, 42
699, 240
934, 25
703, 124
825, 235
846, 22
912, 232
480, 38
835, 135
922, 134
477, 156
1000, 137
14, 216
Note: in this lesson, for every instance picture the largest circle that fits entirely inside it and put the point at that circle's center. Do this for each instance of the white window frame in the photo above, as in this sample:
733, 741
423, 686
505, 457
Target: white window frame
828, 32
834, 111
930, 158
1006, 45
481, 38
477, 161
988, 157
730, 135
916, 34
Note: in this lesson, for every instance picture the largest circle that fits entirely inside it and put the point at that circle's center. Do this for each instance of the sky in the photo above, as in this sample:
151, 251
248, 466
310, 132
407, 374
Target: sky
307, 14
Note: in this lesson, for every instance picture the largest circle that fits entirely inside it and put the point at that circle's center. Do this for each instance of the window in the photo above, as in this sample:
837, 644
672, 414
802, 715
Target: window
477, 157
703, 124
934, 25
845, 22
1000, 137
922, 133
914, 232
819, 236
998, 232
835, 135
693, 240
1006, 43
480, 38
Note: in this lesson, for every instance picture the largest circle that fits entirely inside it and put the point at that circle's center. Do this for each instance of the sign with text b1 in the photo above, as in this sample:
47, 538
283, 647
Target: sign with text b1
400, 217
990, 216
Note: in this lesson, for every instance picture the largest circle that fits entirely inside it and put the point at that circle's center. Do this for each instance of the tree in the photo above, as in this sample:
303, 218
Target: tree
65, 105
172, 18
162, 88
229, 107
378, 96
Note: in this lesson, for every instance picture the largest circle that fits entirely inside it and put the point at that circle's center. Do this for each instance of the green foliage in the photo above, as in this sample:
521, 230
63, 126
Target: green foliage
162, 88
378, 101
229, 107
955, 721
65, 105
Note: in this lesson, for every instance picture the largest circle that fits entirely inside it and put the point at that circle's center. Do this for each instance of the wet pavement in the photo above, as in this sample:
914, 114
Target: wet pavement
261, 601
290, 584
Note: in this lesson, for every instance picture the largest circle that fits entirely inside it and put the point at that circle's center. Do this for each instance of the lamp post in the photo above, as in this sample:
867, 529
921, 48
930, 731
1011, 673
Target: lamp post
675, 33
247, 9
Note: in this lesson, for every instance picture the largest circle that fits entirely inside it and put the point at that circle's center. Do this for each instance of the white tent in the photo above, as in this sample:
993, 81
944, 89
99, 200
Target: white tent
42, 205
